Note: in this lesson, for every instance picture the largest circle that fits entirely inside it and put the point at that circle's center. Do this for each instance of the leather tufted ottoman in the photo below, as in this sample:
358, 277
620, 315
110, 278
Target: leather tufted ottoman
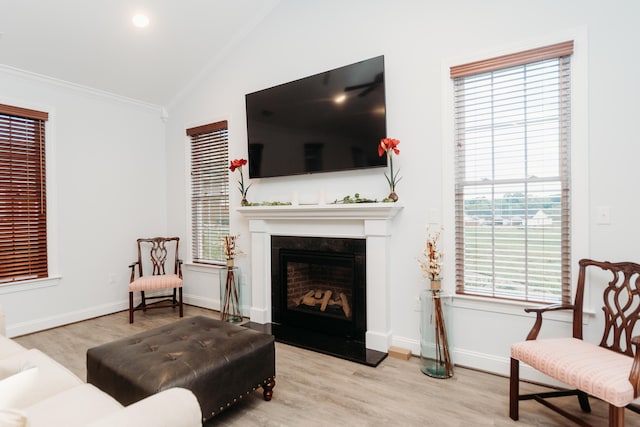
219, 362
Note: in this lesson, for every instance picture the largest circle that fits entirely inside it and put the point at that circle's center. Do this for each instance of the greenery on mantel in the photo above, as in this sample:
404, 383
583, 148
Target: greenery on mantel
357, 199
275, 203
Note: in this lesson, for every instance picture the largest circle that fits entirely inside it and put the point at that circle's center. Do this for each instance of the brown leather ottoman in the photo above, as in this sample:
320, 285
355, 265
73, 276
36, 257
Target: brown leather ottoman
219, 362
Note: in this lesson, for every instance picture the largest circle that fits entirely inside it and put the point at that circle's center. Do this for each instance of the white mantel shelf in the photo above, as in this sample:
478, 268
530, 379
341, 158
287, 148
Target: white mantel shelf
361, 211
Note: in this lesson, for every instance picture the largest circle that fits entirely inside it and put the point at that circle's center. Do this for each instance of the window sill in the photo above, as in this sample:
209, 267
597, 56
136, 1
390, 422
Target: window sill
203, 268
514, 308
29, 285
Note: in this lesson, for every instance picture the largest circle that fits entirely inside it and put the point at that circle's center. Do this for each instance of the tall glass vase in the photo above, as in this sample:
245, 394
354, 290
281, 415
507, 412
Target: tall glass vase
435, 356
230, 294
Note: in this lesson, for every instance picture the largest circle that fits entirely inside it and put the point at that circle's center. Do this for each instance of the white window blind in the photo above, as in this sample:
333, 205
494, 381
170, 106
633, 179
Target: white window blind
512, 125
209, 191
23, 202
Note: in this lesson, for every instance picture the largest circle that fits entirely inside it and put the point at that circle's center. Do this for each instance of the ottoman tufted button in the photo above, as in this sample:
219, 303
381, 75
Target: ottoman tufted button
174, 355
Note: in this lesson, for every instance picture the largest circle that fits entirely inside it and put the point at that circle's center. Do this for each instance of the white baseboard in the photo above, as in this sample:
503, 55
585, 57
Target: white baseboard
483, 362
40, 324
210, 303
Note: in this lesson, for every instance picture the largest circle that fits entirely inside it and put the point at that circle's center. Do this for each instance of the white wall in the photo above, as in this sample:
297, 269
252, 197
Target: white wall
418, 39
106, 187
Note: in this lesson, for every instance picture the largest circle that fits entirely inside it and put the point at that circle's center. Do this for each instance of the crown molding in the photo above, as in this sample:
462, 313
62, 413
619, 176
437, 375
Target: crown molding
77, 87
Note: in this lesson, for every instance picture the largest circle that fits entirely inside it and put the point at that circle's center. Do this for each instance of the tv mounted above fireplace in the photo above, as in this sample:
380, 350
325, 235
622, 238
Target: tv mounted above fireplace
330, 121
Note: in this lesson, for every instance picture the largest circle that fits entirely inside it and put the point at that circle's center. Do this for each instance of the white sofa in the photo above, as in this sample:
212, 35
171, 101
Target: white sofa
35, 391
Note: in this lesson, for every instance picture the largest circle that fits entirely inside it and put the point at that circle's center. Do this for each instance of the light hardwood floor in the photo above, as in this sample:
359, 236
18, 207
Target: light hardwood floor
318, 390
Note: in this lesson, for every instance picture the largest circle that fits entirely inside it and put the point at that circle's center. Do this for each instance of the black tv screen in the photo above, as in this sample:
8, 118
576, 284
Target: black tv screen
331, 121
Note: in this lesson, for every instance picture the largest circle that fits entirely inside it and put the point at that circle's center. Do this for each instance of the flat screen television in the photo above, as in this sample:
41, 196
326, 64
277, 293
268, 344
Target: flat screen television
330, 121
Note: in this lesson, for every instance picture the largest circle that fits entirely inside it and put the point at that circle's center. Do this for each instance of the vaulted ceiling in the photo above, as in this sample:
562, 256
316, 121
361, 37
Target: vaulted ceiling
93, 43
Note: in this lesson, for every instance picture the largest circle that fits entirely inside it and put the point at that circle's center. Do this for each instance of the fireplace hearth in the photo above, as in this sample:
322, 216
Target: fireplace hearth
319, 295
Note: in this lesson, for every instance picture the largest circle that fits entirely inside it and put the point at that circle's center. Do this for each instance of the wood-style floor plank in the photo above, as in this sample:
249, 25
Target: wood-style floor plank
313, 389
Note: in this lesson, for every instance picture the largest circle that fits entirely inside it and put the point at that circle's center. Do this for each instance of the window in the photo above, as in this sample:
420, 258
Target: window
209, 191
512, 141
23, 202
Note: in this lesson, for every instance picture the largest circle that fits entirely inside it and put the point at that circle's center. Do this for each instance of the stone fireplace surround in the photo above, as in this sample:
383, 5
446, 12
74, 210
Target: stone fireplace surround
370, 221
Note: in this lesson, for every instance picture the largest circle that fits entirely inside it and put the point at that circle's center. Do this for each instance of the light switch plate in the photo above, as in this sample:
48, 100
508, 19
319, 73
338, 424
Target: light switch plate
603, 215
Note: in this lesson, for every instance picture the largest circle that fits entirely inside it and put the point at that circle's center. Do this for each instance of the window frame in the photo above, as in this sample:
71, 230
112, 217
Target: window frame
580, 208
35, 267
507, 98
210, 134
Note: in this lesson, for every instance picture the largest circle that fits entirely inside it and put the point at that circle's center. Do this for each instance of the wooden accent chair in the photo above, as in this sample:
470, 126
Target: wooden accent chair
609, 371
153, 254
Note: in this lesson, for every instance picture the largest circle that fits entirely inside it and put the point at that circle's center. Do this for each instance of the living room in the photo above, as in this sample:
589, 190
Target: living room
118, 165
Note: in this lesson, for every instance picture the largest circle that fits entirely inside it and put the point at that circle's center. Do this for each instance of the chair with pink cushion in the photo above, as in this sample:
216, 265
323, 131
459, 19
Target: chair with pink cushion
609, 370
153, 255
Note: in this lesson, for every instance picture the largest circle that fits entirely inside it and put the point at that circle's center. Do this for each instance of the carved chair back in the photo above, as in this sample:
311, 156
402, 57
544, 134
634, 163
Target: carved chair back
621, 302
156, 255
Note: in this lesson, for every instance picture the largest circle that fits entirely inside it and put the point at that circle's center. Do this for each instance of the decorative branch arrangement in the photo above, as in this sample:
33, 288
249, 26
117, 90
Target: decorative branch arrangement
443, 364
431, 264
230, 311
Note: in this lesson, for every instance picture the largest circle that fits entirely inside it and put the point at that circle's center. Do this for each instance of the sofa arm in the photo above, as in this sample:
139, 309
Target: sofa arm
174, 407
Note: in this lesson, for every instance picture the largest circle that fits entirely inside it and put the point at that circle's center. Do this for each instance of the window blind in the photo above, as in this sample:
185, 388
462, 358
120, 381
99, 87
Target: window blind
512, 139
23, 204
209, 191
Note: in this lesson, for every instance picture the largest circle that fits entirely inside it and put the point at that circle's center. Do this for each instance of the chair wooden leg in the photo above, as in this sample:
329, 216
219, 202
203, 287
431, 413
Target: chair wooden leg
180, 294
616, 416
130, 307
143, 303
583, 399
514, 389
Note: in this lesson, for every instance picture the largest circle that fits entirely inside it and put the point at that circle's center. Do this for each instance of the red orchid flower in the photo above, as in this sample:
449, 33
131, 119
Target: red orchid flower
387, 144
237, 163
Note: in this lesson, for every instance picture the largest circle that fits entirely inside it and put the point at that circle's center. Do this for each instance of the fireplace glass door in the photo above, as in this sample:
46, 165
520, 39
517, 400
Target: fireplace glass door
321, 287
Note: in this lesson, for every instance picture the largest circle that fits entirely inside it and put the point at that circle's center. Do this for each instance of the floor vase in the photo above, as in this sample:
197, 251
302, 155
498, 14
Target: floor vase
230, 294
435, 354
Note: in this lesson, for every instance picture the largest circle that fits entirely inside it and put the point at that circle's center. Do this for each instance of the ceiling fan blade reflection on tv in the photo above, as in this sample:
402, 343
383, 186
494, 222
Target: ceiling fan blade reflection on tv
368, 87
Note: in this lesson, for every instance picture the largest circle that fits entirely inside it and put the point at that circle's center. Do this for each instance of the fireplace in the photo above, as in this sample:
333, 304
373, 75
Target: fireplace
318, 295
368, 222
318, 285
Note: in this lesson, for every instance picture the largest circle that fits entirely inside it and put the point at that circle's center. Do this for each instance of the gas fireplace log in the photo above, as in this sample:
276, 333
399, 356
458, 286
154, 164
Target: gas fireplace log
345, 305
325, 300
311, 301
306, 297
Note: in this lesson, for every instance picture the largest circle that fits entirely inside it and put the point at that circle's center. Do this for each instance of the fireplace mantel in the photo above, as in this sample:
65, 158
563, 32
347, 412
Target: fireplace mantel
361, 211
370, 221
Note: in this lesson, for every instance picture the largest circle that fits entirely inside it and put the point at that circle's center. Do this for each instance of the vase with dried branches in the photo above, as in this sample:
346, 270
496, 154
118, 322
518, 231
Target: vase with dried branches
229, 286
434, 343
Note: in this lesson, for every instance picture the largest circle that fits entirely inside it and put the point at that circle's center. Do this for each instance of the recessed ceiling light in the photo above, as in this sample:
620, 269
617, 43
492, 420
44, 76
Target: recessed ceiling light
140, 20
